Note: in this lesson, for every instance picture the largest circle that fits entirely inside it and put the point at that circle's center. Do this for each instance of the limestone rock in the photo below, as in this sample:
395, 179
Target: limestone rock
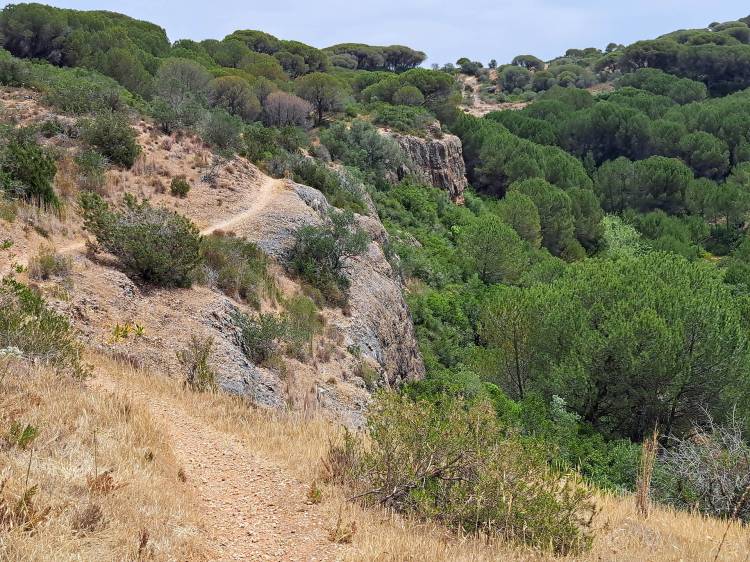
438, 158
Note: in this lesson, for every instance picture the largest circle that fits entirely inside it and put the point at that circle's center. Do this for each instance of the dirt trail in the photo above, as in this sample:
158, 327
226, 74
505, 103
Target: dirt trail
268, 188
253, 508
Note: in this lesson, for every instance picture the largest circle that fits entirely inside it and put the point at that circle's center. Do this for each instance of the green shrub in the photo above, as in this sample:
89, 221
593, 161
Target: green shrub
48, 263
362, 146
259, 142
111, 134
238, 268
36, 333
408, 95
309, 172
92, 169
260, 337
157, 245
320, 252
179, 187
222, 130
412, 120
452, 462
303, 323
78, 91
26, 169
195, 360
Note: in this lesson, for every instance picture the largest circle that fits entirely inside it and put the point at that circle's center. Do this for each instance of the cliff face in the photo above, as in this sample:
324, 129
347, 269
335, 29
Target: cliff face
378, 322
438, 158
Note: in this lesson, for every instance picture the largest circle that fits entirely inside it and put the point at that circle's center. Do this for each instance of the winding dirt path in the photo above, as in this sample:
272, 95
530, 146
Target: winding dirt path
253, 508
269, 187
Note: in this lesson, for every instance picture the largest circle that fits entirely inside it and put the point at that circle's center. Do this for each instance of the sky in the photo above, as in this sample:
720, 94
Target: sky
480, 29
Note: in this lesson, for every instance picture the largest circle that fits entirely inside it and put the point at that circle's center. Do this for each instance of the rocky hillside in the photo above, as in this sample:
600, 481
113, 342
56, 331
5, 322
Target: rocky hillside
437, 158
370, 342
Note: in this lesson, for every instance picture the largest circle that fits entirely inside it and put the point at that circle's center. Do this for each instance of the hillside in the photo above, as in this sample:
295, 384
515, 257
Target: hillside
266, 301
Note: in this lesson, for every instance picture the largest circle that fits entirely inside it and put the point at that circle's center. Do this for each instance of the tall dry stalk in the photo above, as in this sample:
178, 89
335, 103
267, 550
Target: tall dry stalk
646, 470
738, 506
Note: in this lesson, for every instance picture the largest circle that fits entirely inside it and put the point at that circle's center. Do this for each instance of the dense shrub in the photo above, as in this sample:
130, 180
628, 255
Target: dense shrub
260, 337
26, 169
452, 462
179, 187
157, 245
412, 120
309, 172
362, 146
36, 333
222, 130
111, 134
236, 267
320, 253
92, 167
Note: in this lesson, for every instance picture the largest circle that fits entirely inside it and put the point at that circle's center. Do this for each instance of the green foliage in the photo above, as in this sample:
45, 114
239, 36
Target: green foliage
157, 245
361, 145
303, 322
222, 130
237, 268
320, 253
92, 167
179, 187
111, 134
260, 337
196, 363
592, 333
493, 250
36, 333
451, 461
335, 185
26, 169
21, 436
47, 263
323, 91
403, 118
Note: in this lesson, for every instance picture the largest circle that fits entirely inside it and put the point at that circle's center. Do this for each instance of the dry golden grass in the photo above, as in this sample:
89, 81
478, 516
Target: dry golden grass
301, 443
128, 504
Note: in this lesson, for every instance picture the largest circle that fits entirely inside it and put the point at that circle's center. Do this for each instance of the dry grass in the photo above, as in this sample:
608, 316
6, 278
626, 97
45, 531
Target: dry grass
300, 443
98, 507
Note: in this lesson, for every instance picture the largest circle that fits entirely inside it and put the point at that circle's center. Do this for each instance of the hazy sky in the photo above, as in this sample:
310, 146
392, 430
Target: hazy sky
478, 29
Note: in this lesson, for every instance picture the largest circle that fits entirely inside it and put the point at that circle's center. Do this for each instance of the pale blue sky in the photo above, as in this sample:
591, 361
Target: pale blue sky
479, 29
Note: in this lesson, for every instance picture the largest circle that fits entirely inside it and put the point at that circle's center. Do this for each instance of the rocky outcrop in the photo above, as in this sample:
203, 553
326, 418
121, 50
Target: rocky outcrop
438, 158
378, 322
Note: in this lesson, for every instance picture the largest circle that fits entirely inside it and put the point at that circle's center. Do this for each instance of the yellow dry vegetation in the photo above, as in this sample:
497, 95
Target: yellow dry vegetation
149, 494
97, 482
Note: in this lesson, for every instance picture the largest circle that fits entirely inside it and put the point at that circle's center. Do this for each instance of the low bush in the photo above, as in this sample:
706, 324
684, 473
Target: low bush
92, 169
403, 118
26, 169
157, 245
309, 172
303, 322
260, 337
238, 268
111, 134
222, 130
196, 363
35, 333
179, 187
452, 462
320, 253
48, 263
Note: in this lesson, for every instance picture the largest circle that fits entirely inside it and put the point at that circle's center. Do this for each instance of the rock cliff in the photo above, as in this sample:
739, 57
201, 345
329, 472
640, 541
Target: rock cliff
438, 158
